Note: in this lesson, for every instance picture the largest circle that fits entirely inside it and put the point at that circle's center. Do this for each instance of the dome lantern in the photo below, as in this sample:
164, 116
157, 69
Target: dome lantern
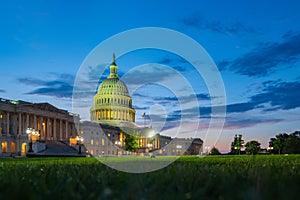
113, 68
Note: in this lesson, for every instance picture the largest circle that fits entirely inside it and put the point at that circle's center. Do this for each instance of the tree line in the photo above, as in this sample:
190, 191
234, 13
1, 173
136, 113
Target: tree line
282, 143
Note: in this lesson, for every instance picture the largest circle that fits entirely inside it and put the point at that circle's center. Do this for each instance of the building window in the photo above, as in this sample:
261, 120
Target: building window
24, 145
12, 147
4, 147
103, 142
1, 116
92, 141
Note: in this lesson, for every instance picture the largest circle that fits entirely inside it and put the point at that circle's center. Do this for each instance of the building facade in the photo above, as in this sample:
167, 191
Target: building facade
45, 122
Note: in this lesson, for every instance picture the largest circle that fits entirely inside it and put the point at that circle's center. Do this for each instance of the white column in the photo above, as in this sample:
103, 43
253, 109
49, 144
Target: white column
34, 122
27, 121
42, 125
60, 129
48, 129
7, 123
67, 129
20, 124
54, 129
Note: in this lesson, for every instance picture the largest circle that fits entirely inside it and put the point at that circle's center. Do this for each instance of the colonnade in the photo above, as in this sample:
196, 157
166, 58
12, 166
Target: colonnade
109, 114
49, 128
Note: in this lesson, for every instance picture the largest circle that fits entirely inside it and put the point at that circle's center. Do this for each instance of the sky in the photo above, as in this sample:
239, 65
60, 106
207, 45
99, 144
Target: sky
255, 46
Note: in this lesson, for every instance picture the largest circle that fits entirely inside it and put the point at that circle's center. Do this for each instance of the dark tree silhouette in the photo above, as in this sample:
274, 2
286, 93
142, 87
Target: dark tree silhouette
278, 142
237, 144
252, 147
292, 144
214, 151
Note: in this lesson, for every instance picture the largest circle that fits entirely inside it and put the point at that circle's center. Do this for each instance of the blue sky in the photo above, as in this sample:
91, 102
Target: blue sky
255, 45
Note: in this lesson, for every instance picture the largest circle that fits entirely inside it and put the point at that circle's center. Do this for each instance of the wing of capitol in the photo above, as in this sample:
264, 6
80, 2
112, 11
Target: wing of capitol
41, 129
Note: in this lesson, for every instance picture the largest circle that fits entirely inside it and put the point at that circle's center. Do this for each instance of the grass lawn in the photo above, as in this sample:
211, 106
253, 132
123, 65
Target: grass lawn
192, 177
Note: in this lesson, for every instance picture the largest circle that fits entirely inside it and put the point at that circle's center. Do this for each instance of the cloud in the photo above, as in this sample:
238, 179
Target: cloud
240, 107
267, 58
152, 74
232, 123
58, 89
199, 22
31, 81
273, 96
2, 91
277, 94
280, 95
202, 96
176, 62
94, 73
60, 85
206, 111
140, 107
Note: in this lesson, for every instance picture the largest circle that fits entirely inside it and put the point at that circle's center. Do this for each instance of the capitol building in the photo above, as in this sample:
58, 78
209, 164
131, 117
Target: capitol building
41, 129
113, 120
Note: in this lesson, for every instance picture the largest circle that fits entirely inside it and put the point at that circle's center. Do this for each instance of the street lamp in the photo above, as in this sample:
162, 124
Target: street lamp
151, 133
80, 142
118, 143
30, 132
150, 146
207, 149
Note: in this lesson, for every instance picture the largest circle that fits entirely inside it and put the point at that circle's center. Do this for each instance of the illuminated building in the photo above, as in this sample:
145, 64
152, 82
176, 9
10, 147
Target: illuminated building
45, 122
41, 125
112, 116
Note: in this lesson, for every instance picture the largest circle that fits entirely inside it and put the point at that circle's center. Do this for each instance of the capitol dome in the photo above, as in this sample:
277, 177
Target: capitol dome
112, 103
113, 86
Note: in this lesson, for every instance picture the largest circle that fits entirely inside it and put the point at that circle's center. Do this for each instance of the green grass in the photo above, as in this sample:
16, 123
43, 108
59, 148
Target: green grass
211, 177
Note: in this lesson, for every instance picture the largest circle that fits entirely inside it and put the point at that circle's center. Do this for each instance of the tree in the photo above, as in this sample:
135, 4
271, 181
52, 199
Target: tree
292, 144
278, 142
214, 151
131, 142
237, 144
252, 147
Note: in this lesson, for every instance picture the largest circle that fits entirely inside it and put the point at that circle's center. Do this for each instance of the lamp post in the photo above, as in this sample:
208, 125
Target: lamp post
150, 145
30, 132
207, 149
80, 142
270, 149
118, 143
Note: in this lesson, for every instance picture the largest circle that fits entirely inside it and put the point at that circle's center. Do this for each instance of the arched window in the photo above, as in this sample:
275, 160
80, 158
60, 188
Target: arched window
4, 147
12, 147
24, 147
